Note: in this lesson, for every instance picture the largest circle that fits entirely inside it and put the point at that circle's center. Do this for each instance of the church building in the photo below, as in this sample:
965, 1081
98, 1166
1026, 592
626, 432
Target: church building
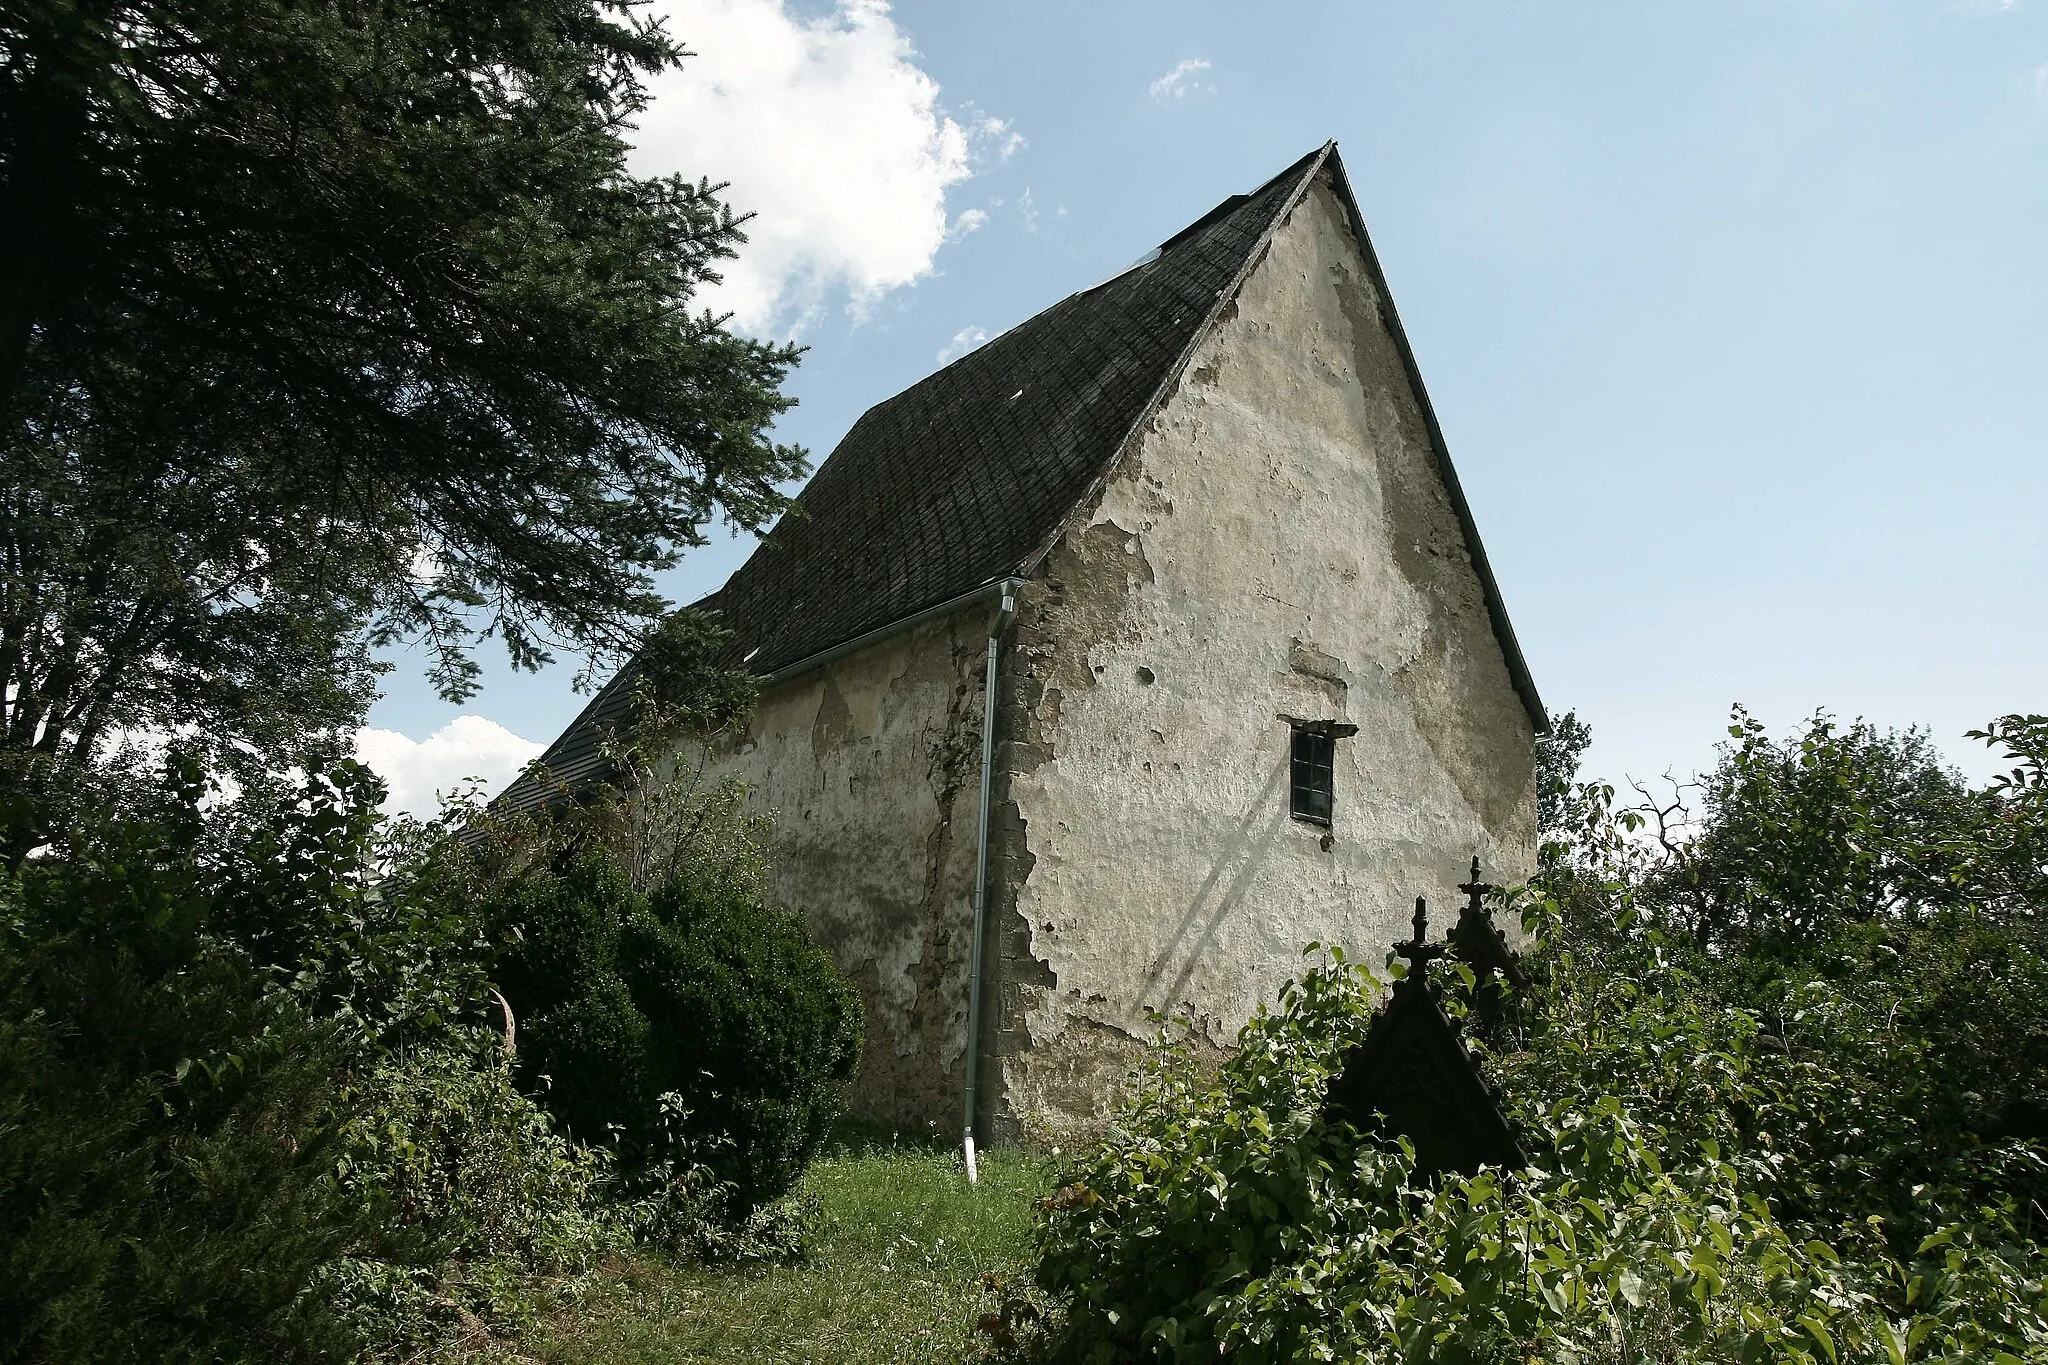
1110, 665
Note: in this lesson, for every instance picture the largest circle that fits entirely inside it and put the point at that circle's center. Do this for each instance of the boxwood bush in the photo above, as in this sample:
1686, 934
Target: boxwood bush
692, 1023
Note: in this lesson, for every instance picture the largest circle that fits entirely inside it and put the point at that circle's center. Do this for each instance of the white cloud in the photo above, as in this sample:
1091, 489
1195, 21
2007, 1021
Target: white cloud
830, 132
1000, 136
968, 221
964, 340
417, 771
1184, 80
1029, 208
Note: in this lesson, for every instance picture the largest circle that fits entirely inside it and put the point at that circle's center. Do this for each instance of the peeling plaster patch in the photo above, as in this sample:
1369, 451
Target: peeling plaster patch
1429, 549
1311, 662
866, 767
835, 721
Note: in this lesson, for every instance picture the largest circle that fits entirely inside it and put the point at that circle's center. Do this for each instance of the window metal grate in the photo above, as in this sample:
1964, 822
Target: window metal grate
1314, 785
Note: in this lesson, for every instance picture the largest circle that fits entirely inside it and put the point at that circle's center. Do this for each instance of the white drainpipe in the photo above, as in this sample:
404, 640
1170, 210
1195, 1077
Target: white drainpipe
996, 628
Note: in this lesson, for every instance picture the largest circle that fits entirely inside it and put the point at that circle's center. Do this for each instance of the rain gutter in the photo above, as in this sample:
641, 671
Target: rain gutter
996, 626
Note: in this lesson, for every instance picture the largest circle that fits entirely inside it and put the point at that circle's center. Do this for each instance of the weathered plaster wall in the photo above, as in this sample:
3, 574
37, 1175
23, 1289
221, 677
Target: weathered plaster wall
1278, 543
871, 770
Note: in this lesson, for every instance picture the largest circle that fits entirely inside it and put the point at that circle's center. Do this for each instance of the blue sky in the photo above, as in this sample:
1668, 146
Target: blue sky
1735, 316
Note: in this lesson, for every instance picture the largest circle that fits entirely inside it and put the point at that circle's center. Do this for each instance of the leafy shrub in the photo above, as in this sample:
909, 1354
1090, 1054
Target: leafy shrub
1834, 825
1226, 1216
692, 1024
1881, 946
474, 1188
1781, 1073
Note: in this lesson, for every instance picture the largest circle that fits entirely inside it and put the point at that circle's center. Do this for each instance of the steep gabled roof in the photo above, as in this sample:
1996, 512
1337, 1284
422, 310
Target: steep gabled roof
969, 476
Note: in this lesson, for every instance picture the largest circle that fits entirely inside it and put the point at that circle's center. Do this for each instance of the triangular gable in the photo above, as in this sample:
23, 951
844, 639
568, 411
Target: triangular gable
1496, 608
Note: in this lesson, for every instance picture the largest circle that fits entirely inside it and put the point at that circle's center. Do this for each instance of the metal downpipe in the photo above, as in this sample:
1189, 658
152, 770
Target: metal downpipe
996, 627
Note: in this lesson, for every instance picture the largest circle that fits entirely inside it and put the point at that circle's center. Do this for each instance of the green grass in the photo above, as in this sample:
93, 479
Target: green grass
892, 1275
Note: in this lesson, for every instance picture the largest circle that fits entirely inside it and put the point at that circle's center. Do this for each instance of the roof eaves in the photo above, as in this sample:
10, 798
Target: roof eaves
901, 625
576, 755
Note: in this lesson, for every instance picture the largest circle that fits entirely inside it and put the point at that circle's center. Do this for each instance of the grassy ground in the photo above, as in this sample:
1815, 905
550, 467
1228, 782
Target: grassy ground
892, 1276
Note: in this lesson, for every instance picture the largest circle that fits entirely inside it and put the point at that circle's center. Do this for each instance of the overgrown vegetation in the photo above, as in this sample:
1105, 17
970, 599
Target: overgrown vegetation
261, 1097
220, 1047
328, 325
168, 1123
1780, 1075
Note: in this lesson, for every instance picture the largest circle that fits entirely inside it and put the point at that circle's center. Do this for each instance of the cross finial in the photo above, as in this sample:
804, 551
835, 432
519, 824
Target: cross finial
1483, 946
1419, 950
1475, 891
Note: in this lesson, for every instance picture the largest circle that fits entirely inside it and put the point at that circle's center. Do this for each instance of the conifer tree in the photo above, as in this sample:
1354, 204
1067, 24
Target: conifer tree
326, 323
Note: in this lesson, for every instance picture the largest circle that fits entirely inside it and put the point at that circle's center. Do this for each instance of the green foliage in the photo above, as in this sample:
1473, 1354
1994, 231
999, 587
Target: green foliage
667, 1010
1227, 1215
343, 313
681, 684
368, 922
134, 603
694, 1023
246, 1105
168, 1124
1558, 752
2009, 863
1885, 949
473, 1188
1834, 826
1810, 1134
277, 1025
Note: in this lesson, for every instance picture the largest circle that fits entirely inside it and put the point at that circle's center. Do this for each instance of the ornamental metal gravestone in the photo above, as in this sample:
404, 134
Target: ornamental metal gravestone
1413, 1078
1484, 948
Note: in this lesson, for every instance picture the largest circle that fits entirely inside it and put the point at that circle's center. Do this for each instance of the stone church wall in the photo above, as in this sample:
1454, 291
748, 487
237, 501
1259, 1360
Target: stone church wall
871, 770
1277, 543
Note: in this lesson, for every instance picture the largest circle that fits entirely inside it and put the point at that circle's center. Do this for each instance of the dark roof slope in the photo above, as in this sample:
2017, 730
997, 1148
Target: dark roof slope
968, 476
958, 479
